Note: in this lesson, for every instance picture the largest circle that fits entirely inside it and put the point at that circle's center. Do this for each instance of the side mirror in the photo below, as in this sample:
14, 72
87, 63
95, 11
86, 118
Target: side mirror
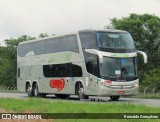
144, 55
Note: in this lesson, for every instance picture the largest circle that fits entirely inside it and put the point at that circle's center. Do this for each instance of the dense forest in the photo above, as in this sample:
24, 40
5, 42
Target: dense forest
145, 30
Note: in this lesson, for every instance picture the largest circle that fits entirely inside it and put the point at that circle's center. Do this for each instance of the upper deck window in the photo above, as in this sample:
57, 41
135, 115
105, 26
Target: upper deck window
52, 45
88, 40
117, 40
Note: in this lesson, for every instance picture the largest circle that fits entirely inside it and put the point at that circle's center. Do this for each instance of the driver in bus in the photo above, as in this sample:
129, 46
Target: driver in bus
105, 42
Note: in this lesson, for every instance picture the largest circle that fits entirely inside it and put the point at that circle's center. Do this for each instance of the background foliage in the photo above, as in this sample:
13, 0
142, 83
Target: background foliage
8, 60
145, 30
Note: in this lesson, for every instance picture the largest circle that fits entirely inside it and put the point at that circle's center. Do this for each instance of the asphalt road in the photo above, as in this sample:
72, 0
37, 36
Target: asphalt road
147, 102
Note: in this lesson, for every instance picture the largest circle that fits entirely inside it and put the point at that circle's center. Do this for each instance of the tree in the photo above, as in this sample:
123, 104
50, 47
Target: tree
8, 60
43, 35
145, 30
14, 42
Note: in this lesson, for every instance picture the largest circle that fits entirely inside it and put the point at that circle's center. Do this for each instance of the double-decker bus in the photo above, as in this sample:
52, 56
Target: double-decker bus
85, 63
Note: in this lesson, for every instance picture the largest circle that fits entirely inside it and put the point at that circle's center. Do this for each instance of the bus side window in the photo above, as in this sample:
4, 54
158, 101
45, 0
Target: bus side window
50, 48
92, 67
40, 47
77, 71
22, 50
72, 43
87, 40
60, 44
31, 49
18, 72
92, 64
62, 70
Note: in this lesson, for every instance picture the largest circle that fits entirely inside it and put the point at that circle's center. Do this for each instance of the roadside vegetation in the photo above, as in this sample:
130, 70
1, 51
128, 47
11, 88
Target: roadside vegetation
39, 105
147, 96
64, 106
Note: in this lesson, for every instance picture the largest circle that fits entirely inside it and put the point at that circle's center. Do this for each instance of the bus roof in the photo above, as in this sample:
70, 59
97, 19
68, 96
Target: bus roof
59, 35
104, 30
50, 37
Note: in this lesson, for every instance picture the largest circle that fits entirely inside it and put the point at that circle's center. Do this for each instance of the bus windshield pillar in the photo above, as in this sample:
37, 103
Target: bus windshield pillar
96, 52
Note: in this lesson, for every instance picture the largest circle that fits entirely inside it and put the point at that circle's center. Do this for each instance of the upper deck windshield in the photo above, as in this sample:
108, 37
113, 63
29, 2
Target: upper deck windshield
124, 69
116, 40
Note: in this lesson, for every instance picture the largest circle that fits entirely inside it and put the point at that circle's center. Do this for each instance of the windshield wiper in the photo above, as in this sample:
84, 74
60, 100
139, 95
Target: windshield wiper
128, 78
110, 77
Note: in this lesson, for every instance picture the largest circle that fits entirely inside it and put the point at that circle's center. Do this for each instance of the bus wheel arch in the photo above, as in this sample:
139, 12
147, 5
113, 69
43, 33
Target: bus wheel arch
77, 85
79, 90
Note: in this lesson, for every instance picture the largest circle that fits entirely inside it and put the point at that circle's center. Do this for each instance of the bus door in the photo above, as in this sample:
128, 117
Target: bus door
69, 85
93, 70
93, 85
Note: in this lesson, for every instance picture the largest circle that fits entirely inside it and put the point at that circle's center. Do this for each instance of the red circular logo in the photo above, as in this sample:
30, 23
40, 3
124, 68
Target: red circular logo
57, 83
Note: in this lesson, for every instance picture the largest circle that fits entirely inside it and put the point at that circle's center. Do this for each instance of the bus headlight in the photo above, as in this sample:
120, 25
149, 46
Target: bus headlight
106, 83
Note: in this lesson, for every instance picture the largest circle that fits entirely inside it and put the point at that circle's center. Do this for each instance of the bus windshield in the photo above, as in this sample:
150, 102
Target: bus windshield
121, 40
124, 69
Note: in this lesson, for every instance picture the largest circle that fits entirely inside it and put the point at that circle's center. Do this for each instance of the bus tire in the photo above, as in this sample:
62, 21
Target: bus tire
114, 98
81, 94
29, 90
35, 90
43, 95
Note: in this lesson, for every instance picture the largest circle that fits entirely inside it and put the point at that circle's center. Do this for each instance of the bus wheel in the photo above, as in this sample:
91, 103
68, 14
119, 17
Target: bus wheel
35, 90
43, 95
29, 90
114, 98
81, 94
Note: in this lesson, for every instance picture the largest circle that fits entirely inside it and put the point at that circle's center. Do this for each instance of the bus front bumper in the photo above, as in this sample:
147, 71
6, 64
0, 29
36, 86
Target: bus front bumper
118, 90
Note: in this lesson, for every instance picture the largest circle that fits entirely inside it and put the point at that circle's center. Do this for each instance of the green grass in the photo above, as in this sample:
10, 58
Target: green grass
9, 91
62, 106
39, 105
147, 96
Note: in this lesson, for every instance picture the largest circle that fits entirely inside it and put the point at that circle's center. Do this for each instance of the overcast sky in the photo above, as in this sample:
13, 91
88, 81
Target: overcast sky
32, 17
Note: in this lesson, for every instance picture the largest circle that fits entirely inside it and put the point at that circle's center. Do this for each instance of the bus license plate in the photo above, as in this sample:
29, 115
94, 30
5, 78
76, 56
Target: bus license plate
121, 92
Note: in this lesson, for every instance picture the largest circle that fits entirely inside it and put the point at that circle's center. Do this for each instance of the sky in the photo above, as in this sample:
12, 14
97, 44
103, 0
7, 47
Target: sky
32, 17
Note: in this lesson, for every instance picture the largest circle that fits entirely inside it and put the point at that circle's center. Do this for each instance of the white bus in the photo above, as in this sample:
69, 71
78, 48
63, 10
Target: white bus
85, 63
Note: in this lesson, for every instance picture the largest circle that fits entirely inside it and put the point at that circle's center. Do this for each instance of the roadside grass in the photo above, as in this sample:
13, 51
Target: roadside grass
40, 105
147, 96
9, 91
